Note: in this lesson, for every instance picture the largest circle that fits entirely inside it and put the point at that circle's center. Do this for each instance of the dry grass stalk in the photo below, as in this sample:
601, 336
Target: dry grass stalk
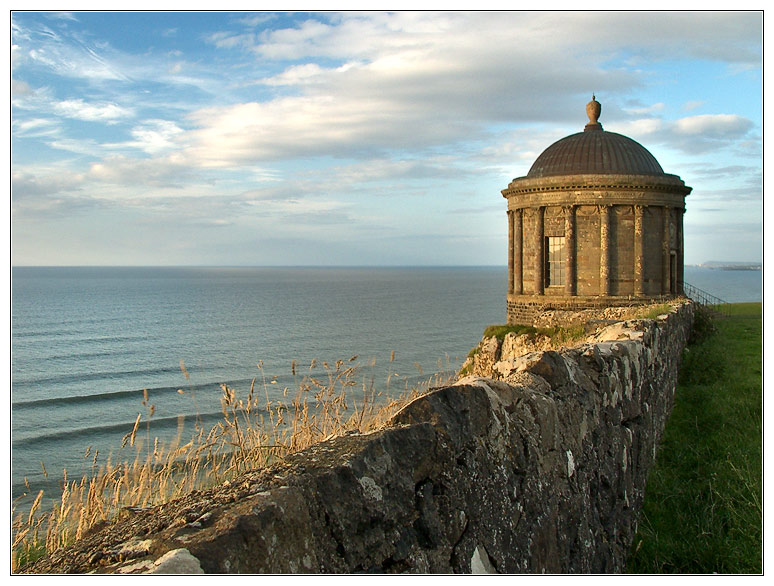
249, 436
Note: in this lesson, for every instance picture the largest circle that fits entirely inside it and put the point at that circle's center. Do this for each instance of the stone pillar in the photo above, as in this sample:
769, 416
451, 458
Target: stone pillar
638, 244
510, 251
680, 252
539, 252
518, 281
604, 250
665, 285
569, 244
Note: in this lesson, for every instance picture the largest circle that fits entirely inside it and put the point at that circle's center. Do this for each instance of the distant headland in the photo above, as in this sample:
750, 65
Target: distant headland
731, 265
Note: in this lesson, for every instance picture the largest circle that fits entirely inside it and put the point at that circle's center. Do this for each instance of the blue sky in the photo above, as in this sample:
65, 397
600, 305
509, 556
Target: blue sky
359, 138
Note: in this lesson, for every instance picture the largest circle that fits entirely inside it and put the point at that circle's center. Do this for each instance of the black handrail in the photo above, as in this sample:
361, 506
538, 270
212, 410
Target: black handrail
706, 299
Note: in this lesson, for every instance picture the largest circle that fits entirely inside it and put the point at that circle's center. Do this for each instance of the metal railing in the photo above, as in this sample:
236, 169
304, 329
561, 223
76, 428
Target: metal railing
706, 299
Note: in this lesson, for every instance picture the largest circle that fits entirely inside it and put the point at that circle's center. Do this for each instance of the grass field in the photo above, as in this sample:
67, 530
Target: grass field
703, 504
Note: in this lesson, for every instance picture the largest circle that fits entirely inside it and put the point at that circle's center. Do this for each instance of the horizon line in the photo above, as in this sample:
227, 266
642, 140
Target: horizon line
248, 266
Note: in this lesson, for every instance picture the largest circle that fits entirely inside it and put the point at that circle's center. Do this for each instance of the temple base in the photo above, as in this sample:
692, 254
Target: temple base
525, 309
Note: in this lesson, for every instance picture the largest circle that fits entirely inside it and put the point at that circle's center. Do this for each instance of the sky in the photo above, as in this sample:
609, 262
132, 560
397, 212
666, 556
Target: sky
346, 138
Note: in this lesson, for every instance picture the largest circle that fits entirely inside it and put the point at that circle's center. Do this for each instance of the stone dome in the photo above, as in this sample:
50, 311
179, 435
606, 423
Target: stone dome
595, 151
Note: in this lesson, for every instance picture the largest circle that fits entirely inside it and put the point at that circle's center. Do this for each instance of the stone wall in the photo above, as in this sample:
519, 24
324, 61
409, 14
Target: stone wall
530, 309
540, 467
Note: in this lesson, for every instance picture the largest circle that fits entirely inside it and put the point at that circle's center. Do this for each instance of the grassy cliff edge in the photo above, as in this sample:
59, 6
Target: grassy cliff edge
703, 504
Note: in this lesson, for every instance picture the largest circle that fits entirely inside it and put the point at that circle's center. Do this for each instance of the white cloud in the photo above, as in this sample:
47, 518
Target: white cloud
732, 37
153, 136
75, 61
311, 126
714, 125
62, 16
35, 127
25, 184
693, 134
20, 88
412, 79
228, 40
66, 53
94, 112
423, 79
81, 146
693, 104
295, 75
121, 170
256, 19
647, 109
640, 127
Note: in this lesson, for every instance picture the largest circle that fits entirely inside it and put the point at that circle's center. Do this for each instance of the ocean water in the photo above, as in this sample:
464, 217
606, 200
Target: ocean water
86, 342
730, 286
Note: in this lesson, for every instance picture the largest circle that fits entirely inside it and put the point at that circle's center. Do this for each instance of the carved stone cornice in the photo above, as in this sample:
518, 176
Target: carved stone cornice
647, 183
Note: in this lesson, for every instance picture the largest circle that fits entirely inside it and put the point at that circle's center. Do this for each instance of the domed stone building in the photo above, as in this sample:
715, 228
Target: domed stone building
595, 222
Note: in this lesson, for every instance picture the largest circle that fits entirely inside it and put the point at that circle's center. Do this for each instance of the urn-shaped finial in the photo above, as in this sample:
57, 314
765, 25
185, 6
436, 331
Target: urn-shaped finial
593, 109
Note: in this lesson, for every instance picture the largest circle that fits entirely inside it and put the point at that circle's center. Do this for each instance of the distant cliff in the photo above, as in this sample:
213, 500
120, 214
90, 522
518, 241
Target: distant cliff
732, 266
540, 466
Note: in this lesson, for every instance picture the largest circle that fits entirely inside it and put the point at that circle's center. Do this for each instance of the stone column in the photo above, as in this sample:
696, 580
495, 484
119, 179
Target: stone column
681, 252
638, 244
665, 285
569, 244
539, 252
518, 280
604, 250
510, 251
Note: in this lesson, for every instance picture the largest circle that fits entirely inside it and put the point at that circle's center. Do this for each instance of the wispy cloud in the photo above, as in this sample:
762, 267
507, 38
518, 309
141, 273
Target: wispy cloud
647, 109
693, 105
693, 134
714, 126
152, 136
36, 127
94, 112
81, 146
62, 16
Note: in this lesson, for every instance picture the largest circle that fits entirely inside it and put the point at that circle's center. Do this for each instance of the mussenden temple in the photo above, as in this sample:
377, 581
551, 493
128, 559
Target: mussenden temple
595, 223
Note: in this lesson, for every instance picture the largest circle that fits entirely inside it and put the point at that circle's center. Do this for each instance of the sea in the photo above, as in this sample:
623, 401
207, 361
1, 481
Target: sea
89, 344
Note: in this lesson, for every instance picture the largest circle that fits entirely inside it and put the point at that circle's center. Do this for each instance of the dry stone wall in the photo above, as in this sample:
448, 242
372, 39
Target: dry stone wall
540, 467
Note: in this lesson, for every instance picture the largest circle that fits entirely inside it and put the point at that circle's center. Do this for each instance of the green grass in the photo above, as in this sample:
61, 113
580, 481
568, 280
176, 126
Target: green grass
703, 504
500, 331
558, 335
652, 312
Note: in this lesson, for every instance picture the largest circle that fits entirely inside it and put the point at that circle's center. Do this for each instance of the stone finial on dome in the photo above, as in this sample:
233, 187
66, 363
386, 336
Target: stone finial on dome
593, 109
